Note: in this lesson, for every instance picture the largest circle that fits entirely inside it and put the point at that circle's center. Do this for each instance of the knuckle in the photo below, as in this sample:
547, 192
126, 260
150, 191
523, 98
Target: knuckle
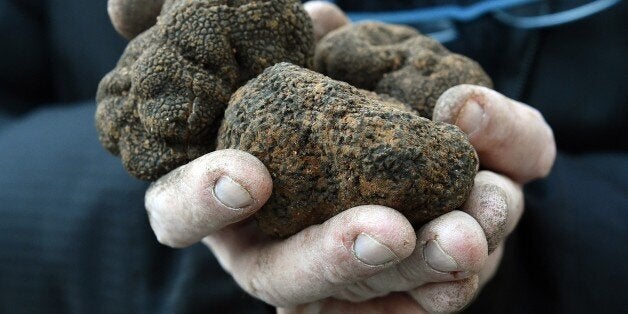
167, 239
252, 284
336, 264
257, 284
410, 274
359, 292
338, 274
349, 295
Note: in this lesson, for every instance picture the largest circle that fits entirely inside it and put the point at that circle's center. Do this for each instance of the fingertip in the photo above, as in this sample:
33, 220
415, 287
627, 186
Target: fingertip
131, 17
509, 137
488, 205
547, 157
236, 179
325, 16
205, 195
376, 234
450, 247
453, 243
502, 189
231, 184
446, 297
361, 242
372, 237
450, 103
348, 248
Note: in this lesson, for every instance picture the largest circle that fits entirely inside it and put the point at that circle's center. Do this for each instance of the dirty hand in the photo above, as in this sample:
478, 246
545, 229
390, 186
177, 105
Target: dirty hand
369, 255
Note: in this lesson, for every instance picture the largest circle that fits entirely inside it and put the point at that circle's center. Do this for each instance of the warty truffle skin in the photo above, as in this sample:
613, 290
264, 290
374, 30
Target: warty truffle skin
162, 104
330, 146
395, 60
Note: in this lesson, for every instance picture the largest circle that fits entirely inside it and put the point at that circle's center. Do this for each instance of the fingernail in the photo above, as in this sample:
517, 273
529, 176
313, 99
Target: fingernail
231, 194
371, 252
470, 117
436, 258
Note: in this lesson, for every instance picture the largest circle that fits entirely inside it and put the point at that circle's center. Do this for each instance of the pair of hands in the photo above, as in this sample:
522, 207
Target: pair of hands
367, 259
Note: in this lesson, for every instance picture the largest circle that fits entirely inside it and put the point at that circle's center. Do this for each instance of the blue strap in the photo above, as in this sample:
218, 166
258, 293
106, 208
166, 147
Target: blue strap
473, 11
455, 12
554, 19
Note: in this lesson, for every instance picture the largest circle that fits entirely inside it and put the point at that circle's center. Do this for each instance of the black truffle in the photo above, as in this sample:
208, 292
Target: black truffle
162, 104
395, 60
330, 146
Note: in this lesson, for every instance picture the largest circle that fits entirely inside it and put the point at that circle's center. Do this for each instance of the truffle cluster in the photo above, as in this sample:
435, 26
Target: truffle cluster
395, 60
330, 146
162, 104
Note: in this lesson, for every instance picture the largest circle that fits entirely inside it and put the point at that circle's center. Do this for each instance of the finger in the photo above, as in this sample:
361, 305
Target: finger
446, 297
213, 191
395, 303
451, 247
496, 203
326, 17
319, 261
492, 264
510, 137
131, 17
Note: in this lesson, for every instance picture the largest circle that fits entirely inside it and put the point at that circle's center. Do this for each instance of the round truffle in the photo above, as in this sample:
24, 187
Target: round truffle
395, 60
330, 146
162, 104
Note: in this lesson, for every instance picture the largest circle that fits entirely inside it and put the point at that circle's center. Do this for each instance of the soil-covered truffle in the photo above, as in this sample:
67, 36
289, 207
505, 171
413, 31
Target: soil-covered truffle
162, 104
330, 146
395, 60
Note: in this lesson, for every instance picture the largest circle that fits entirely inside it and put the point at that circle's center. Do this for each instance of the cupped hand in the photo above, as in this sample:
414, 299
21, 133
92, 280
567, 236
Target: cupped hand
367, 259
360, 255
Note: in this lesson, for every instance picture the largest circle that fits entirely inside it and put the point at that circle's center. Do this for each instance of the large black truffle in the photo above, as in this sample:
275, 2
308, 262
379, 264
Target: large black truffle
397, 61
162, 104
330, 146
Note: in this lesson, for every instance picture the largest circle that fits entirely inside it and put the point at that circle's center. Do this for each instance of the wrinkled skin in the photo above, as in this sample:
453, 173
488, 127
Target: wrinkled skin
162, 104
330, 146
395, 60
